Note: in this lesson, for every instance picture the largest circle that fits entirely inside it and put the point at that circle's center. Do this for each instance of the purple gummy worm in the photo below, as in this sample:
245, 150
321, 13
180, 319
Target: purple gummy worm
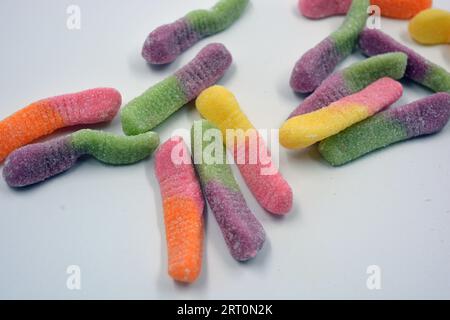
243, 233
36, 162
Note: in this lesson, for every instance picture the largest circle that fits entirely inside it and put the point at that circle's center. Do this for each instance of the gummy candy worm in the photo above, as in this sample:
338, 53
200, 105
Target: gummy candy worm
37, 162
318, 63
219, 106
157, 103
243, 233
307, 129
166, 43
419, 69
431, 26
353, 79
318, 9
422, 117
183, 205
46, 116
397, 9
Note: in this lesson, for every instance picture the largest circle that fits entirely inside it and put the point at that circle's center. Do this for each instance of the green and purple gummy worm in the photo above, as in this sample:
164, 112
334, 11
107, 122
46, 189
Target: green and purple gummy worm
243, 233
422, 117
353, 79
167, 42
37, 162
319, 62
419, 69
160, 101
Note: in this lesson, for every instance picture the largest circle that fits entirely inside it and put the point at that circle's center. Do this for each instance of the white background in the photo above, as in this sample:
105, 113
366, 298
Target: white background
390, 208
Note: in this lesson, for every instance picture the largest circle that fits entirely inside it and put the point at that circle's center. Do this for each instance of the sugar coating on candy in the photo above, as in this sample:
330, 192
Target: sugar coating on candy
353, 79
243, 233
167, 42
183, 209
419, 69
398, 9
113, 149
270, 189
317, 9
431, 26
37, 162
48, 115
304, 130
318, 63
160, 101
422, 117
402, 9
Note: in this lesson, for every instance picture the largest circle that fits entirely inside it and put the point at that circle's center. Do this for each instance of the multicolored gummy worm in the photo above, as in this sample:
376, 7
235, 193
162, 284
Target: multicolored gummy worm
353, 79
431, 26
319, 62
48, 115
160, 101
397, 9
305, 130
37, 162
166, 43
422, 117
419, 69
270, 189
243, 233
183, 205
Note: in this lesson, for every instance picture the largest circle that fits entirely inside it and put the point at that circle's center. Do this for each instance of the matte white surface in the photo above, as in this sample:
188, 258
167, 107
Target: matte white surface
390, 209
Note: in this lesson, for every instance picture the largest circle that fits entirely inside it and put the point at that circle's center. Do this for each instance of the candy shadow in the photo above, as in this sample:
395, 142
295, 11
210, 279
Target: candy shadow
446, 54
307, 154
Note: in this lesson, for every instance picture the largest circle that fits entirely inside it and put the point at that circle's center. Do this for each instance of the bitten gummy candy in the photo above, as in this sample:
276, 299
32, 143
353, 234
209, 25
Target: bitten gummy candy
219, 106
48, 115
419, 69
304, 130
425, 116
318, 63
166, 43
160, 101
37, 162
243, 233
353, 79
183, 209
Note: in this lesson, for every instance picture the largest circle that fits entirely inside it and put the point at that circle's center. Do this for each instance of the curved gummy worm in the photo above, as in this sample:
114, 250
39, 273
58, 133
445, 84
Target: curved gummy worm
398, 9
183, 205
243, 233
318, 63
46, 116
431, 26
422, 117
166, 43
307, 129
273, 193
419, 69
37, 162
160, 101
353, 79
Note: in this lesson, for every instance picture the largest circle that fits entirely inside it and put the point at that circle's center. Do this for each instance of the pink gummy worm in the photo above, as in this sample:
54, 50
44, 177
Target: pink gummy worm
89, 106
262, 176
317, 9
175, 171
378, 95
